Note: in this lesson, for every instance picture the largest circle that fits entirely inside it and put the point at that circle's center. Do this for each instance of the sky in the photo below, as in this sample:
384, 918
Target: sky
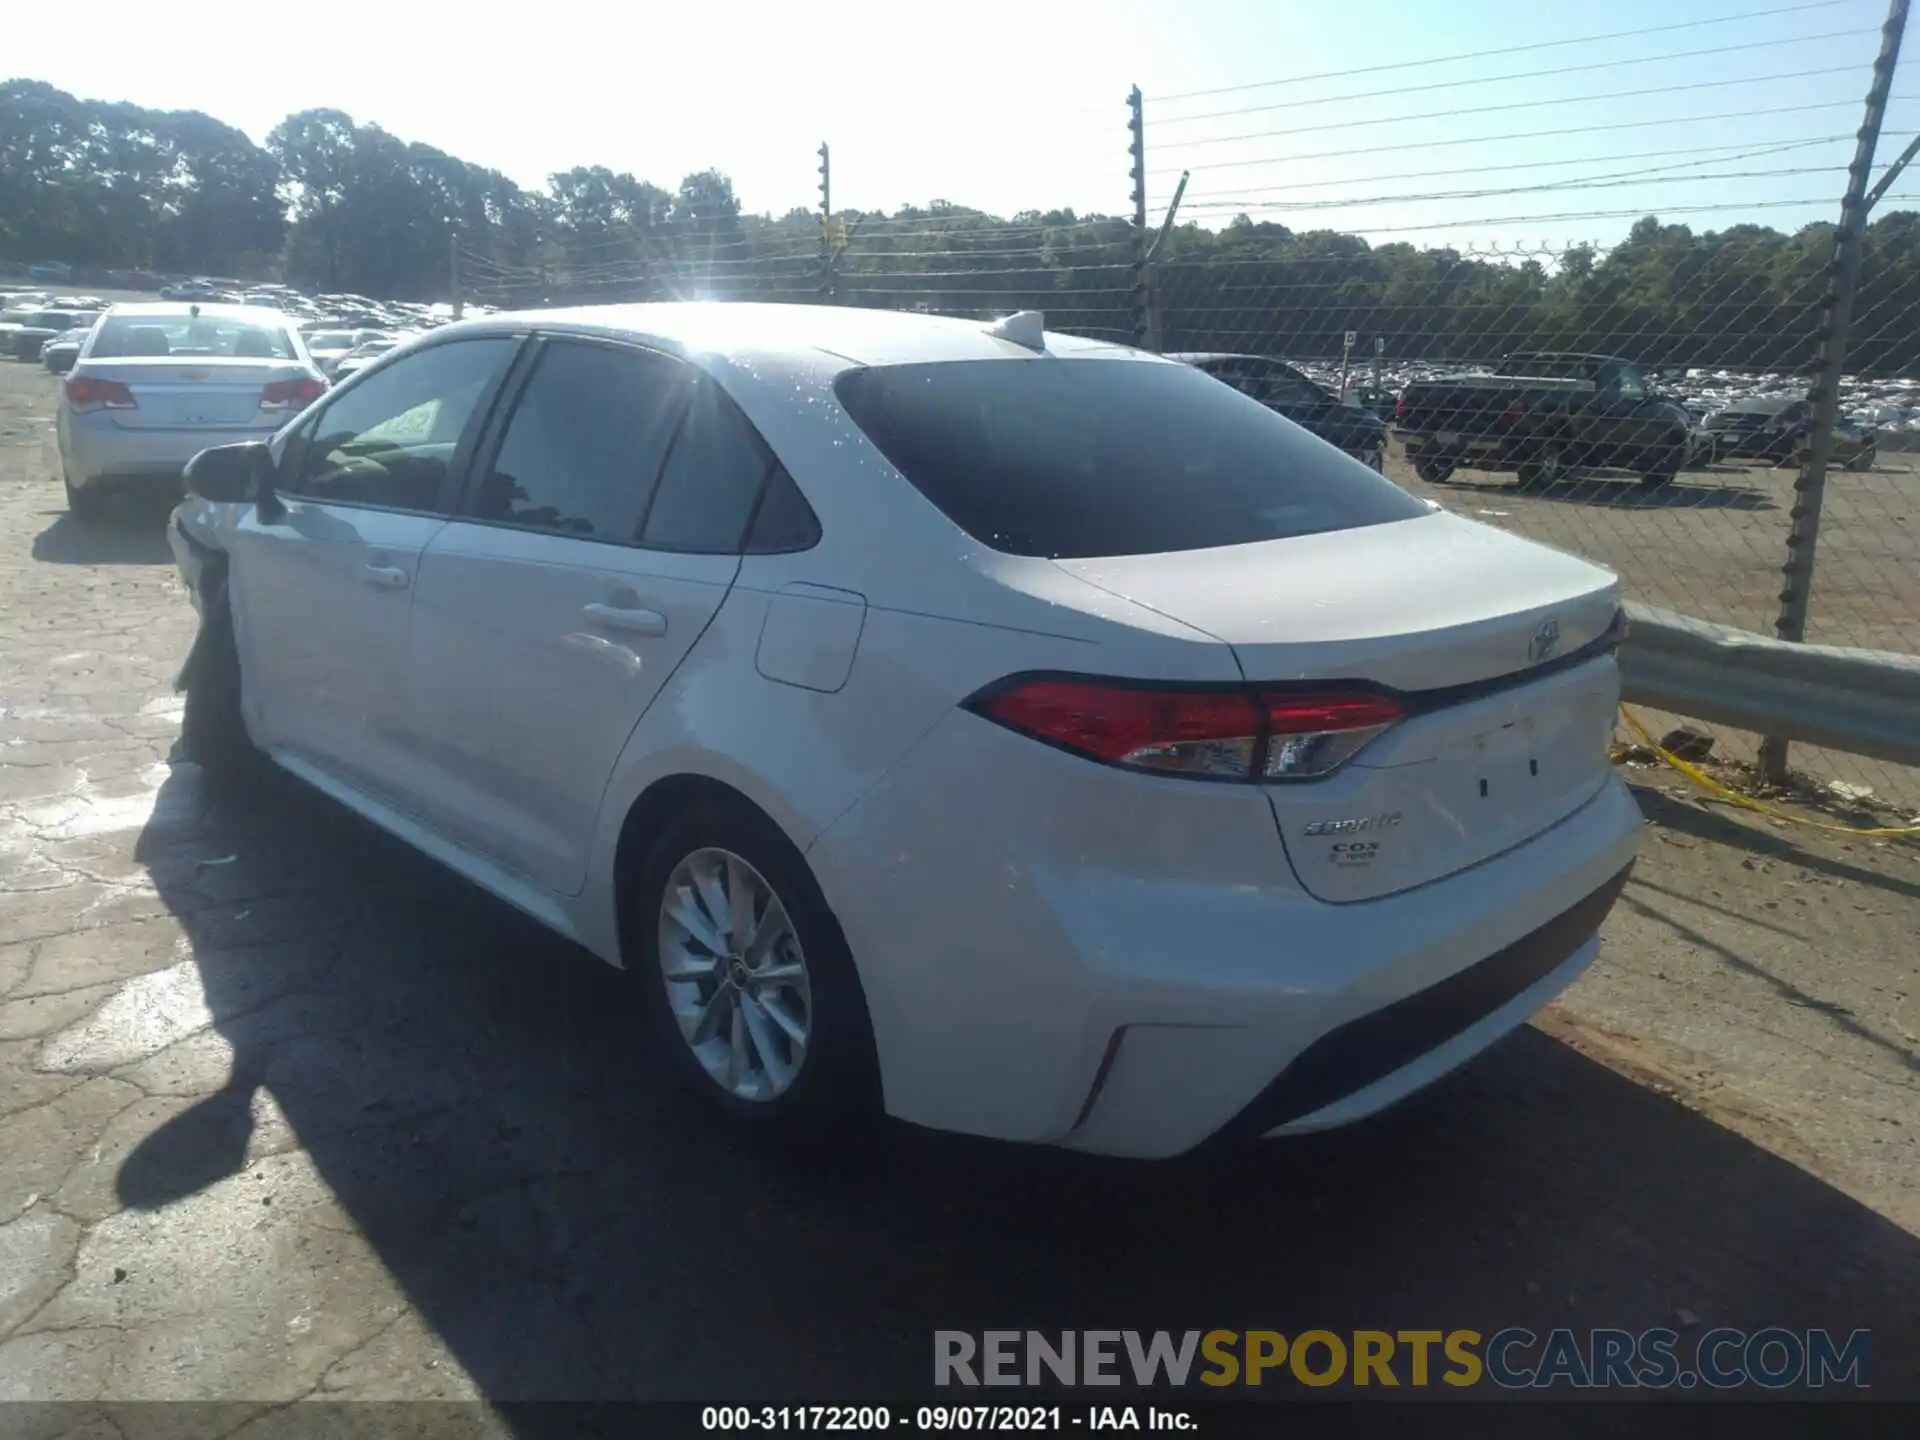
1429, 121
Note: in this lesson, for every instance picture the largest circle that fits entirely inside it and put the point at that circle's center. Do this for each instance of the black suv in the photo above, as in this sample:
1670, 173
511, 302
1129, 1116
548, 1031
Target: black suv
1311, 406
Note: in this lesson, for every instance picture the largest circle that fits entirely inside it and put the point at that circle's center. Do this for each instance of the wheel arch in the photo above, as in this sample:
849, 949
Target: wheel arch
651, 808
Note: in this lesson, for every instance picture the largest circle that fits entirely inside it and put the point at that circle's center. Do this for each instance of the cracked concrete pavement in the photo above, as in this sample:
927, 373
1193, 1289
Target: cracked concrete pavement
287, 1112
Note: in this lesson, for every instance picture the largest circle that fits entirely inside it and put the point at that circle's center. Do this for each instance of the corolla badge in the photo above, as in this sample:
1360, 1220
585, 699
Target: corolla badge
1546, 640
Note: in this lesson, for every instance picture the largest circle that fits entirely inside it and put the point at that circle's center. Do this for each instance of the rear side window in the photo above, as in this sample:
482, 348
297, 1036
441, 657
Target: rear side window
585, 443
712, 481
1074, 458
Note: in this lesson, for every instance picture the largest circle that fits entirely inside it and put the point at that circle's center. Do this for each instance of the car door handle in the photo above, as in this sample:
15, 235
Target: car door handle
620, 617
386, 577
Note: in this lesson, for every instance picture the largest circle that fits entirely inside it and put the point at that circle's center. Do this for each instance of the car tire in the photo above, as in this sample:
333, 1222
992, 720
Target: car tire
1545, 470
84, 504
831, 1090
1657, 479
213, 724
1866, 459
1434, 472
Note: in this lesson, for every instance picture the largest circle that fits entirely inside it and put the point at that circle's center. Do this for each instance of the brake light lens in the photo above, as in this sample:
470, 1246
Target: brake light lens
283, 394
1208, 734
84, 392
1514, 413
1314, 735
1400, 408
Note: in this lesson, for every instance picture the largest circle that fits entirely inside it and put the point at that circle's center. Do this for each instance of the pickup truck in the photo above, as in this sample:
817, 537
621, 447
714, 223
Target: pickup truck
1542, 415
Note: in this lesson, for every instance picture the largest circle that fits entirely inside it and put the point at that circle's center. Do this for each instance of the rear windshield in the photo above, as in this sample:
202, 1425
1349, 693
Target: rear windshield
205, 336
1073, 458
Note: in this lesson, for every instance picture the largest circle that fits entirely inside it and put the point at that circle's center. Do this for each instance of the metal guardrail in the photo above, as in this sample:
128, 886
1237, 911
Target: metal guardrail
1866, 702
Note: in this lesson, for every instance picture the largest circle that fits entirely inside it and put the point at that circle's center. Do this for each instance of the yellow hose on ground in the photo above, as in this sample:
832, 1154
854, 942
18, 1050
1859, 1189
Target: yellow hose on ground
1747, 802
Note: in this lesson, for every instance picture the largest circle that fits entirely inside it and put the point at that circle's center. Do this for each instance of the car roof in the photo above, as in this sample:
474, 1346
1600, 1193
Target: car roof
855, 335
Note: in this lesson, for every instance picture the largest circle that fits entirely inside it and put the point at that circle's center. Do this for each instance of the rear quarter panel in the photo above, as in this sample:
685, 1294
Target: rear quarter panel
805, 756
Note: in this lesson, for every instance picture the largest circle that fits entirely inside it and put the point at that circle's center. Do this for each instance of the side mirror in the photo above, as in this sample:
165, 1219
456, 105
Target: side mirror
229, 474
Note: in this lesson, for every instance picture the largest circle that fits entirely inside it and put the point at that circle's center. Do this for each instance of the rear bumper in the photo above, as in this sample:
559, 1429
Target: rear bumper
1053, 951
96, 451
1367, 1063
1431, 445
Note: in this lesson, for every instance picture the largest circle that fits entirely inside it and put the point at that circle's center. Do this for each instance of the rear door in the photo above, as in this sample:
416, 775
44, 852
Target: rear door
323, 587
598, 538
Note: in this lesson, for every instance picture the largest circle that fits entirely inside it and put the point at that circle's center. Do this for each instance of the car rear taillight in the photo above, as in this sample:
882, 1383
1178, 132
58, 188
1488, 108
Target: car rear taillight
86, 393
1313, 735
281, 394
1208, 734
1400, 409
1515, 412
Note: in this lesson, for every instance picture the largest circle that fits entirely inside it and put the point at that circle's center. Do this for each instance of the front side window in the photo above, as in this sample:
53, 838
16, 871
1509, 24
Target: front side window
586, 442
390, 440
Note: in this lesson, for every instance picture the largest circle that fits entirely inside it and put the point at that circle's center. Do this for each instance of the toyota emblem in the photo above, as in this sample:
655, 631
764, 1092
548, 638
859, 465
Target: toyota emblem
1546, 639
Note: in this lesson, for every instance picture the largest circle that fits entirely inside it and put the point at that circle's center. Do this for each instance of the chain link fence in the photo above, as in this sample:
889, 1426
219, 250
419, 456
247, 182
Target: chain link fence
1369, 231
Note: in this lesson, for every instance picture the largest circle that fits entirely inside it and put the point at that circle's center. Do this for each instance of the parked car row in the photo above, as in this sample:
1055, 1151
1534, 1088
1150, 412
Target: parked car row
339, 311
29, 320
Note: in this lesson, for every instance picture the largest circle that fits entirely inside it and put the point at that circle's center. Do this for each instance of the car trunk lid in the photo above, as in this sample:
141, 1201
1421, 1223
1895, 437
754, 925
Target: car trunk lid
1479, 634
210, 393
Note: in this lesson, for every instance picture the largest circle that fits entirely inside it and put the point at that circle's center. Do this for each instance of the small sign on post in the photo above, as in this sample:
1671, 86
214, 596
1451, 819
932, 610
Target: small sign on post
1346, 361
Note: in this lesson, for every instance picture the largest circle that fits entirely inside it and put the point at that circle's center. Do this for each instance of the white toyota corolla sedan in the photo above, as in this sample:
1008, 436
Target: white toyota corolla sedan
1023, 735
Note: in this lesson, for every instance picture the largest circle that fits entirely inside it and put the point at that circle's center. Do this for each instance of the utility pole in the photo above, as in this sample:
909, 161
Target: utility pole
453, 272
1146, 326
827, 257
1810, 488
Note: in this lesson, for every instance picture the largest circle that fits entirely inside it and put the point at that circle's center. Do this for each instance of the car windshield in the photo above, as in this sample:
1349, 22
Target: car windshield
1068, 459
204, 336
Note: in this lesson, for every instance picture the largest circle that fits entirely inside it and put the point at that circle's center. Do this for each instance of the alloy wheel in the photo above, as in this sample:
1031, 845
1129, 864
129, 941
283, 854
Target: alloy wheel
735, 974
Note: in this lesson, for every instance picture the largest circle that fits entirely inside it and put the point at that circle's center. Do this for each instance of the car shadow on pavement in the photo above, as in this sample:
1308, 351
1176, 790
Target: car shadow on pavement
1703, 824
1622, 494
130, 534
473, 1094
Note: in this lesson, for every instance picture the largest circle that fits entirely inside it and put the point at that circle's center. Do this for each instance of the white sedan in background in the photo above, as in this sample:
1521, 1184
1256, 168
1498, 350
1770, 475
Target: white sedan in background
1015, 733
155, 384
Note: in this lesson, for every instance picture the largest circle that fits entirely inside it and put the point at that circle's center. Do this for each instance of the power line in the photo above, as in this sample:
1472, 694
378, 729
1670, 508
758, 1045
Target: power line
1518, 75
1517, 135
1517, 105
1503, 50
